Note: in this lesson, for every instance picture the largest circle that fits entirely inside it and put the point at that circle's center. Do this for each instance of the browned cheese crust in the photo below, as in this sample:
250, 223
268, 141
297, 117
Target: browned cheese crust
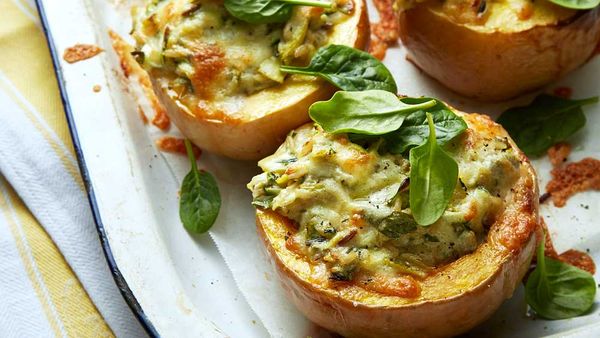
453, 300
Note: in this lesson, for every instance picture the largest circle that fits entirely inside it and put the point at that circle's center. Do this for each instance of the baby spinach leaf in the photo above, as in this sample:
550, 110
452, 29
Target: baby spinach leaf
200, 199
556, 290
433, 177
545, 122
347, 68
370, 112
415, 129
268, 11
577, 4
397, 224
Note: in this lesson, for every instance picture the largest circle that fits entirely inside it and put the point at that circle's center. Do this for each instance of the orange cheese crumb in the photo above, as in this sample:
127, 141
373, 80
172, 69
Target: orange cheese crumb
388, 28
175, 145
377, 48
81, 52
573, 178
559, 153
385, 32
578, 259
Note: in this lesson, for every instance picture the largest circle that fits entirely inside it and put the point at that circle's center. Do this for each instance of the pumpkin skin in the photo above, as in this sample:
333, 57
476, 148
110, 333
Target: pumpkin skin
264, 118
453, 300
496, 65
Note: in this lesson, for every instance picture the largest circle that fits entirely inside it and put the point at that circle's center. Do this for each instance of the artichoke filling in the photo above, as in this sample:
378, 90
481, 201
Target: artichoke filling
502, 15
206, 54
350, 202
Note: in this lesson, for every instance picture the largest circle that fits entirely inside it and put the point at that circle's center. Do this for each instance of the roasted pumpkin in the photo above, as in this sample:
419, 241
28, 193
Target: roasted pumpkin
219, 76
495, 50
333, 217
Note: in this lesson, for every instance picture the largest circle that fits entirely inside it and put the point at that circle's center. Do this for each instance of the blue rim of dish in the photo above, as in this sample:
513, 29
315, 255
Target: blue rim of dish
119, 279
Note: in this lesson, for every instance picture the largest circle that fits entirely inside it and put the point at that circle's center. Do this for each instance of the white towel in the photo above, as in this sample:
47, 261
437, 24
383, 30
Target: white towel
43, 172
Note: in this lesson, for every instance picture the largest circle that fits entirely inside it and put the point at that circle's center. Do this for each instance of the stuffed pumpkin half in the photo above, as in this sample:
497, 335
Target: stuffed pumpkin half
405, 219
217, 65
493, 50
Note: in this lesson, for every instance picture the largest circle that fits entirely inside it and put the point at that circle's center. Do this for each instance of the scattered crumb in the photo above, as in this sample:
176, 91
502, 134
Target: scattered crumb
130, 67
544, 197
385, 32
559, 153
175, 145
96, 88
573, 178
377, 48
388, 28
142, 115
564, 92
253, 321
161, 119
578, 259
81, 52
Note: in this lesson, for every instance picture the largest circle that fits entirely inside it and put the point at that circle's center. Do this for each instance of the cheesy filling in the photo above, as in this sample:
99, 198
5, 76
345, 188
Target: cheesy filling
351, 204
496, 15
206, 54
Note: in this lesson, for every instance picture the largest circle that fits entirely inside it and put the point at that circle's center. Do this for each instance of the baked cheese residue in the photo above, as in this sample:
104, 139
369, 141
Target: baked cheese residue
385, 32
171, 144
81, 52
572, 178
559, 153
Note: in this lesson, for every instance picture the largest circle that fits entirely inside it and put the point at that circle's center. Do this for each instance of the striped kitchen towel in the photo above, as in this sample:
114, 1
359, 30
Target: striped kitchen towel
55, 280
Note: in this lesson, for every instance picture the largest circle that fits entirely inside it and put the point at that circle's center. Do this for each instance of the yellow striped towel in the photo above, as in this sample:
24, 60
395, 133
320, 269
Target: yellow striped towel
54, 280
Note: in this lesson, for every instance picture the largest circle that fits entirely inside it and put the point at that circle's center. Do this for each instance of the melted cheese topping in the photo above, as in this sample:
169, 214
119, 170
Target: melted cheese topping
206, 54
351, 203
497, 15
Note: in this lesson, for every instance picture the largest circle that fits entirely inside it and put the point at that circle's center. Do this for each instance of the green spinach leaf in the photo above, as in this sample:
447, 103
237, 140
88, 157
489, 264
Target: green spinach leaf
556, 290
200, 199
415, 129
433, 177
545, 122
268, 11
397, 224
577, 4
370, 112
347, 68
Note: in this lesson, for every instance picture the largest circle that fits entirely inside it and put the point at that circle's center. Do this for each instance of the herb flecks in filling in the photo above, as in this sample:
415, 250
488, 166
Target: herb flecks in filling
204, 53
352, 207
